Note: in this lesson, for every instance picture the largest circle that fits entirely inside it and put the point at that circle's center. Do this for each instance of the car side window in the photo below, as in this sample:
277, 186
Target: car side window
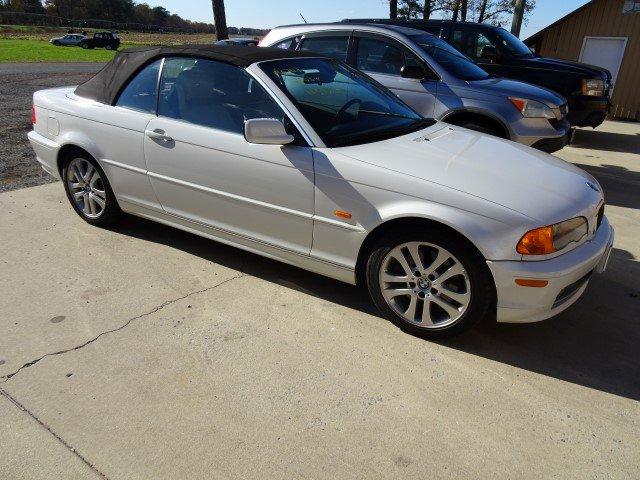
330, 46
379, 56
474, 44
213, 94
142, 91
288, 44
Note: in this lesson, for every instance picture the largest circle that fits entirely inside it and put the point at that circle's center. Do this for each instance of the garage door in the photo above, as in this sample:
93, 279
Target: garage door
606, 52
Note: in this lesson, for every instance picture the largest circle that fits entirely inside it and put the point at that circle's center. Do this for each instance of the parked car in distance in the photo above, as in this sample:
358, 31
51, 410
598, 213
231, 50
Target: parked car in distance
586, 87
306, 160
437, 81
72, 39
247, 42
107, 40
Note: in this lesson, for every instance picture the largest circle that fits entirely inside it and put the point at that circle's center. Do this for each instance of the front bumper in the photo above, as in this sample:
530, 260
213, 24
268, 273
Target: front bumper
568, 276
588, 111
540, 133
550, 145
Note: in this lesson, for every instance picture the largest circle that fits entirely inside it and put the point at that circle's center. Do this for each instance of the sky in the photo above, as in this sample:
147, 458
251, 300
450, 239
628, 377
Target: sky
268, 14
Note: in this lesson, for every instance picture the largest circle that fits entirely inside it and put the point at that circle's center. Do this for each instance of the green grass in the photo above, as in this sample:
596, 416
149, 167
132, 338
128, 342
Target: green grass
41, 51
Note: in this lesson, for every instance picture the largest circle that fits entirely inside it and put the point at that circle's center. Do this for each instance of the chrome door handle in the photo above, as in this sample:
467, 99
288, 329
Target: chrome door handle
158, 134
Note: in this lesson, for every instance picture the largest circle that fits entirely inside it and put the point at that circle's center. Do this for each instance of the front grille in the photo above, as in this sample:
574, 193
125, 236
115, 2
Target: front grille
555, 123
600, 216
568, 291
564, 109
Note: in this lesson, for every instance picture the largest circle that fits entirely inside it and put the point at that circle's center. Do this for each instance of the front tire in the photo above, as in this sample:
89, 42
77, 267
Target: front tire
483, 128
89, 191
429, 283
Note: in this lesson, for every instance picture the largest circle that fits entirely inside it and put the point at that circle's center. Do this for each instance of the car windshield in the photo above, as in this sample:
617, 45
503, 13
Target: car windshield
344, 106
513, 44
449, 58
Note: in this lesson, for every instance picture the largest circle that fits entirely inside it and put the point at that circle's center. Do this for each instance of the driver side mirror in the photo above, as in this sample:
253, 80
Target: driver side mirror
266, 131
413, 71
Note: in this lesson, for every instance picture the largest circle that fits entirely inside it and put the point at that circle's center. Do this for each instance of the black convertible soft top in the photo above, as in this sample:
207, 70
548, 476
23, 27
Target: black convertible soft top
105, 86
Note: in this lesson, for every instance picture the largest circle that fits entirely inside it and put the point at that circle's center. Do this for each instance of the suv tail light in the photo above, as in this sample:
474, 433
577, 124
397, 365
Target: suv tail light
33, 115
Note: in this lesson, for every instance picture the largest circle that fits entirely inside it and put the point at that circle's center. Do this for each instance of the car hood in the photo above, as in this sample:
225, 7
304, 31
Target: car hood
532, 183
564, 66
506, 87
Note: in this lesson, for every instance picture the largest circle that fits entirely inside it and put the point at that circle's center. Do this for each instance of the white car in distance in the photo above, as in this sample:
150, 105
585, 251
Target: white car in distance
303, 159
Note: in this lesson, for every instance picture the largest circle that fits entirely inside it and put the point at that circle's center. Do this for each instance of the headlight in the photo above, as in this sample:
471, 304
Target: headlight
552, 238
592, 87
531, 108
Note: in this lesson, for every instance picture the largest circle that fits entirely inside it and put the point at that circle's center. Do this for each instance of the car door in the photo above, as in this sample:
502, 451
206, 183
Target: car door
383, 58
202, 168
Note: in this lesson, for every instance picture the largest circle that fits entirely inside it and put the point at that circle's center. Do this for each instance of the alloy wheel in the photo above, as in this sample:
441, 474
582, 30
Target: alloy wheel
425, 284
87, 188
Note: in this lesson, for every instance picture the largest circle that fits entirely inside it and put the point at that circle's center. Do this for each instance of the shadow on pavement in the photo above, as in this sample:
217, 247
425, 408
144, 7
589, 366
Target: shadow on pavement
621, 186
595, 343
606, 141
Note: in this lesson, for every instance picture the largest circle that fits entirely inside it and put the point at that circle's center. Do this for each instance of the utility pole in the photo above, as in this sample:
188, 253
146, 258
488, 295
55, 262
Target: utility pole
219, 19
518, 13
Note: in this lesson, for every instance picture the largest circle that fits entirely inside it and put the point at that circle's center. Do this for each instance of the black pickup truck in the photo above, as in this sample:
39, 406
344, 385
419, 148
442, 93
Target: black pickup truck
108, 40
586, 87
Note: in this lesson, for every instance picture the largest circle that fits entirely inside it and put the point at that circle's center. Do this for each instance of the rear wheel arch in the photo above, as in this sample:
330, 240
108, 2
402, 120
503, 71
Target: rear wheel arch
463, 117
66, 151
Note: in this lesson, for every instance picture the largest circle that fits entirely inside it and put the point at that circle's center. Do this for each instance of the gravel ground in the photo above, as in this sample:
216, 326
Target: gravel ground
18, 166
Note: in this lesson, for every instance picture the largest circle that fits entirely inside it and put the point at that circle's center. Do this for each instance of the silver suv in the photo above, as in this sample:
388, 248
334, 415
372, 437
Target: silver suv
437, 80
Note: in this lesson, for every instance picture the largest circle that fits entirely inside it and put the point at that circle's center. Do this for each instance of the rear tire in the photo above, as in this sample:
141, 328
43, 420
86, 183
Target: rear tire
444, 293
88, 190
107, 47
84, 45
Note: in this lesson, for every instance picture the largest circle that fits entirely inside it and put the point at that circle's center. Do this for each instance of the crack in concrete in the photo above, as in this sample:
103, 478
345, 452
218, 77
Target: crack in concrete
7, 377
66, 444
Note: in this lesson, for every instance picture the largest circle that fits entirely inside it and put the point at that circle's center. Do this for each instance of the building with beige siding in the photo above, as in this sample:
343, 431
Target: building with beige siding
605, 33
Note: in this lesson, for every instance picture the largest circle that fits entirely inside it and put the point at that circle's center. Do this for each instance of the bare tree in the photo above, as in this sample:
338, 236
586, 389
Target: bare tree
456, 10
220, 19
496, 11
409, 8
393, 9
432, 6
518, 13
463, 10
482, 10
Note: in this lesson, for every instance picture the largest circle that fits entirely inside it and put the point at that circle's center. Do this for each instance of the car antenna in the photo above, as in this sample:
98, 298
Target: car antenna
305, 20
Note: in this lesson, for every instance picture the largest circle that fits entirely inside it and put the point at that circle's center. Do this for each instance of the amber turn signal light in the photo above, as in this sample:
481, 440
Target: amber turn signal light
537, 242
530, 282
342, 214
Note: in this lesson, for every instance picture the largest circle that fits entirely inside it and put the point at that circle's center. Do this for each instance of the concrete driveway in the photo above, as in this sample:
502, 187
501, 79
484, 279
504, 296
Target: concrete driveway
145, 352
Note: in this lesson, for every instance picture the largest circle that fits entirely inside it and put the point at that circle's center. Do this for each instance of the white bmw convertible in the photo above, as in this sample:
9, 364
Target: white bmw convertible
303, 159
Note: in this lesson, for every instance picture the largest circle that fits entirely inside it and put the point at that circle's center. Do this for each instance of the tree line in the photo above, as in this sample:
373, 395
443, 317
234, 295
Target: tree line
489, 11
121, 14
